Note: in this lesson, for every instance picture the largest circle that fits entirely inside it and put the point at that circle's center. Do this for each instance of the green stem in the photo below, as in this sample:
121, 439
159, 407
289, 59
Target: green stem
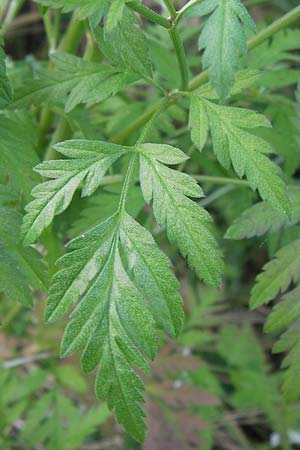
276, 26
218, 193
111, 179
139, 122
171, 8
130, 171
72, 38
178, 45
185, 8
50, 32
127, 182
148, 13
203, 77
220, 180
62, 132
181, 57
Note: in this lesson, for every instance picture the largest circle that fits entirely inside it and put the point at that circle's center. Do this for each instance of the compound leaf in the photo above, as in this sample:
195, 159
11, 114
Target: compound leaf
79, 80
126, 46
87, 164
185, 221
117, 328
261, 218
94, 10
21, 268
224, 40
277, 274
234, 144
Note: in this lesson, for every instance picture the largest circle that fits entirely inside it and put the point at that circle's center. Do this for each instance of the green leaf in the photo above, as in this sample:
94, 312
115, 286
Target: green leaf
185, 221
126, 46
224, 40
79, 80
277, 275
92, 9
87, 164
18, 142
151, 270
54, 421
285, 314
234, 144
21, 268
114, 14
261, 218
279, 48
5, 88
118, 327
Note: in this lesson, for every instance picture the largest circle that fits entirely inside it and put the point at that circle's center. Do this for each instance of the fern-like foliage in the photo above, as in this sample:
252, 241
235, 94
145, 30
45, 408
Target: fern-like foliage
233, 143
79, 80
277, 275
224, 40
261, 218
186, 223
94, 10
20, 268
126, 46
88, 163
120, 278
119, 325
285, 316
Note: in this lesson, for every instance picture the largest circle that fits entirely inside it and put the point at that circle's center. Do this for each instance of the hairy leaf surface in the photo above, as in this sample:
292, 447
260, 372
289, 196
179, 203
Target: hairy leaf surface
126, 46
185, 221
21, 268
92, 9
79, 80
224, 40
234, 144
87, 164
115, 318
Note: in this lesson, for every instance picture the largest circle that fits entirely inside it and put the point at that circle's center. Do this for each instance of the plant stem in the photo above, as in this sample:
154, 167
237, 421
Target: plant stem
127, 182
72, 38
218, 193
69, 43
139, 122
171, 8
148, 13
178, 45
50, 32
220, 180
185, 8
62, 132
181, 57
133, 160
276, 26
111, 179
